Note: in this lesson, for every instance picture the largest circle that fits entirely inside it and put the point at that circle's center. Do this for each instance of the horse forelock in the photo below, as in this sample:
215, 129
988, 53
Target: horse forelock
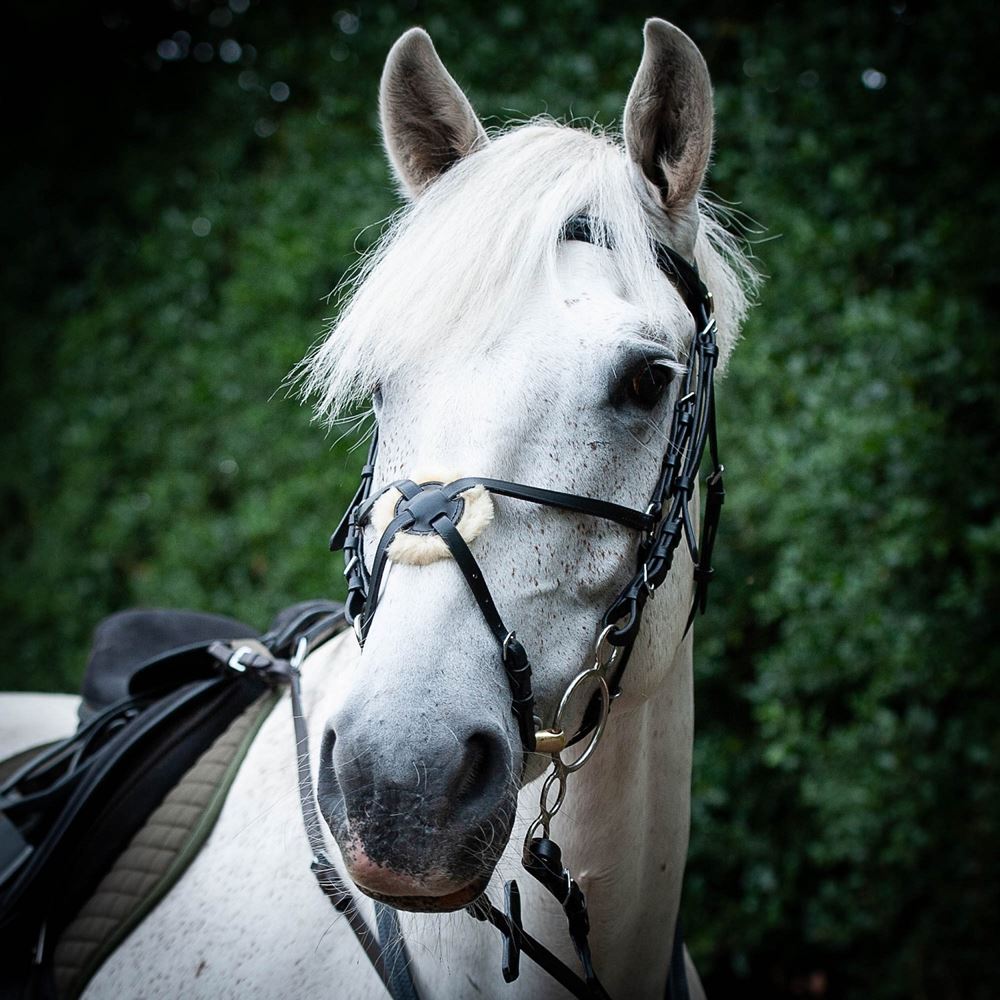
451, 269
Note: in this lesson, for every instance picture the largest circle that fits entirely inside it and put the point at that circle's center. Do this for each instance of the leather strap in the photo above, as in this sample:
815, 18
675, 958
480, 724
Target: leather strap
677, 980
378, 568
637, 520
391, 942
473, 575
517, 940
322, 867
515, 659
543, 861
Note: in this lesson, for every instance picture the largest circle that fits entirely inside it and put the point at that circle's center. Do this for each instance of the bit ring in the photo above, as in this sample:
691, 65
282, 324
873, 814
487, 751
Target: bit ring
596, 675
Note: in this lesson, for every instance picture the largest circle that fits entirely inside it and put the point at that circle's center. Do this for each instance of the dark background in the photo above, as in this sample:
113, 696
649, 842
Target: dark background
184, 182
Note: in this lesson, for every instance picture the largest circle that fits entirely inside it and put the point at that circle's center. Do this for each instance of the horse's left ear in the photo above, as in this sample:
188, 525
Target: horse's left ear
668, 116
427, 121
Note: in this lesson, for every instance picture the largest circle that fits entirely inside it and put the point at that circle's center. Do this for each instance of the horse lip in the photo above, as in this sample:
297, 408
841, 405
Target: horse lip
446, 903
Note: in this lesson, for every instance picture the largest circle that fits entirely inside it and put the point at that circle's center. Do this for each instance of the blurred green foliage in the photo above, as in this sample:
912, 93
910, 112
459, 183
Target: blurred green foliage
175, 221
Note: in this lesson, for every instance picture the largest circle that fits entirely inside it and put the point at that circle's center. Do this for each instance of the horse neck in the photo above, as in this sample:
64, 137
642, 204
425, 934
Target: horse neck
624, 830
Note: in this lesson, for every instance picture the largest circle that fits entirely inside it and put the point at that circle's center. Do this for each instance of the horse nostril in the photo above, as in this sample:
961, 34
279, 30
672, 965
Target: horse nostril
328, 790
479, 769
326, 750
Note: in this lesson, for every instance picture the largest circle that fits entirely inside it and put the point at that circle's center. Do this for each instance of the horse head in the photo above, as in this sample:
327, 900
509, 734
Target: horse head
495, 343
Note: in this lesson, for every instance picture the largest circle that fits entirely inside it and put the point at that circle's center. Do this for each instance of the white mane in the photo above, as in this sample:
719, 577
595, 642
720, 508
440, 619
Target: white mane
452, 267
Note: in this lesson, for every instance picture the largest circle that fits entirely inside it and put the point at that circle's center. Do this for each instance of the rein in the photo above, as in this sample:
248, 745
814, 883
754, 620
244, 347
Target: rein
435, 509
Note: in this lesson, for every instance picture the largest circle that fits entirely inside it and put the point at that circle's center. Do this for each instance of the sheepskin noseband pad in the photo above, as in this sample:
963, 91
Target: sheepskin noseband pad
471, 511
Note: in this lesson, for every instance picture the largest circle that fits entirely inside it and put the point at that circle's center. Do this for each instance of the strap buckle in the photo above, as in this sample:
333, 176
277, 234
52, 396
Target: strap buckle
511, 637
250, 660
235, 662
301, 651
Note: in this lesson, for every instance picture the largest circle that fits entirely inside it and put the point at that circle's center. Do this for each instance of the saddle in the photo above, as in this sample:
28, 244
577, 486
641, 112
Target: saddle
158, 704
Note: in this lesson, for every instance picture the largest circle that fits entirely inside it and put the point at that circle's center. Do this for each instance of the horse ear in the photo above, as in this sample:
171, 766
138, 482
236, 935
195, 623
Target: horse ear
668, 116
427, 122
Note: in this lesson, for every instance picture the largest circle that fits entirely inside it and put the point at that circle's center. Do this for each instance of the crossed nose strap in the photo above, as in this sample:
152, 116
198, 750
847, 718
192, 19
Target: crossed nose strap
418, 543
420, 522
427, 523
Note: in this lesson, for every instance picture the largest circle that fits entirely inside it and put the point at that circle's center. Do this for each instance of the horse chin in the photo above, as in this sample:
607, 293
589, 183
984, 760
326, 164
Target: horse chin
446, 903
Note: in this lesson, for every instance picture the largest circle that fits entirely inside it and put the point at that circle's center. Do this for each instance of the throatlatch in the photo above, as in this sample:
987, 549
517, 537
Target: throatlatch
413, 517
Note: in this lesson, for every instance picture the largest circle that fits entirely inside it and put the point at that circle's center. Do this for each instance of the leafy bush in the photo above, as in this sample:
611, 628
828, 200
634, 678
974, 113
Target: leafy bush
174, 226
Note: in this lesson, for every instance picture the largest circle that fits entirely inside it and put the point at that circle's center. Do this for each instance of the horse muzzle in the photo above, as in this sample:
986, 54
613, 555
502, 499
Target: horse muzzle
420, 823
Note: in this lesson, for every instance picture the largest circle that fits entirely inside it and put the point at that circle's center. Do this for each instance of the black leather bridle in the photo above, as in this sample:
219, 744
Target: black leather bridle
436, 508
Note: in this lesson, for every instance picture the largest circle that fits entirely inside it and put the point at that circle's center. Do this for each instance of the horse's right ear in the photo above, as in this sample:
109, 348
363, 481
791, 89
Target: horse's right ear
668, 117
427, 122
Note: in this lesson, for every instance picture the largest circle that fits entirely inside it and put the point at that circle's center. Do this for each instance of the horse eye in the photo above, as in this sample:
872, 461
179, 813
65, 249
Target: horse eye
648, 383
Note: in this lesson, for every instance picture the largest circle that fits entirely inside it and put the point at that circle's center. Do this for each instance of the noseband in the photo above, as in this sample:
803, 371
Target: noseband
435, 510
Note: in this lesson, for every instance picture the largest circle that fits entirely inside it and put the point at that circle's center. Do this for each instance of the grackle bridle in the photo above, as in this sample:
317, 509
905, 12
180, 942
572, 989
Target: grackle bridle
434, 509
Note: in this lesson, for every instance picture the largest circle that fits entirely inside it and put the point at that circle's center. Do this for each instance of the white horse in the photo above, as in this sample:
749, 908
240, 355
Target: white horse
491, 346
